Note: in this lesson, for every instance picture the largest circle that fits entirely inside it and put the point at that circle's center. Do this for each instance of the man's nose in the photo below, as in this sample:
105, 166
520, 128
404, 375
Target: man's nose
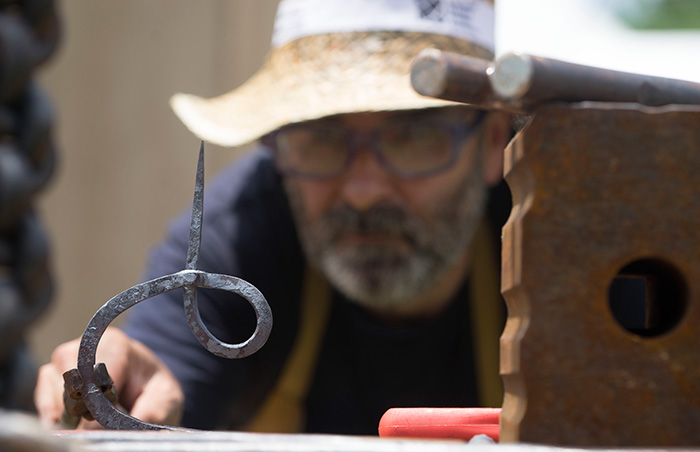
366, 182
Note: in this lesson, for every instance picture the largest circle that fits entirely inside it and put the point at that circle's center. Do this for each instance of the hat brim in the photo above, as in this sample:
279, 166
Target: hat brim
315, 77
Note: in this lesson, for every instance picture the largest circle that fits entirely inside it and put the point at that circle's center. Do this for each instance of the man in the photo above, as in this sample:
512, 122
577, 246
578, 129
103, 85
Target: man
361, 218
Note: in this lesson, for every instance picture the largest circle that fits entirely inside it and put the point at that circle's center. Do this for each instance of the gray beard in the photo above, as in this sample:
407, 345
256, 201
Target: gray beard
386, 275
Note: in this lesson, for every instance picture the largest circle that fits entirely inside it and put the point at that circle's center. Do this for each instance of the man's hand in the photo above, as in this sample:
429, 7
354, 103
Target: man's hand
145, 386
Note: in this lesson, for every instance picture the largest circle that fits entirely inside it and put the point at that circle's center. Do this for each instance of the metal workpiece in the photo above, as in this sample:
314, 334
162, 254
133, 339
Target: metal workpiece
75, 408
189, 279
195, 237
520, 83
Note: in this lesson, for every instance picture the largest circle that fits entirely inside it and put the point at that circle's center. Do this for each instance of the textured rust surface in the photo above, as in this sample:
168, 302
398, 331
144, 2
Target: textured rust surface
596, 187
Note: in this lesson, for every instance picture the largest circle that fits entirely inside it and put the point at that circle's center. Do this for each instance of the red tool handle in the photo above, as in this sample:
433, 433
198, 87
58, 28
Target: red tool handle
454, 423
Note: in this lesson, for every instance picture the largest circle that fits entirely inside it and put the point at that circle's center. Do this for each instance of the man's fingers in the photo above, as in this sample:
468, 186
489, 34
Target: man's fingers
153, 394
145, 386
114, 350
65, 356
161, 401
48, 395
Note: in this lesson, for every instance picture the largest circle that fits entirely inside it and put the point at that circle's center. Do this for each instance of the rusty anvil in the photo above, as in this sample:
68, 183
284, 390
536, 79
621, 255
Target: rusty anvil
601, 253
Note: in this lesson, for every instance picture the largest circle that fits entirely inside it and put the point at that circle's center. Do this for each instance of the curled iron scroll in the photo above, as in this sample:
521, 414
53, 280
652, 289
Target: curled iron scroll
189, 280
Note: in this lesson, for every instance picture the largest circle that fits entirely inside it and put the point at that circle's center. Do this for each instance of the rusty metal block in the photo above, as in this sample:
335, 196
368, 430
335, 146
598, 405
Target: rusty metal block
606, 222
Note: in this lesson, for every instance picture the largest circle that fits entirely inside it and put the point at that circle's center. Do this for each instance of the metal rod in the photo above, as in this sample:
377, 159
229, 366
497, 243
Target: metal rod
451, 76
520, 83
537, 80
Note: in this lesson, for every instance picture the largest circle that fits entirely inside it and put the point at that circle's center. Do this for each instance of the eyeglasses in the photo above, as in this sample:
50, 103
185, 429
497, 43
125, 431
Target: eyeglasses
412, 149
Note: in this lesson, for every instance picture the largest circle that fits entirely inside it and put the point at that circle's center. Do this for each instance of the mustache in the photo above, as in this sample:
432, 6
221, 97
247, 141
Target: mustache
378, 220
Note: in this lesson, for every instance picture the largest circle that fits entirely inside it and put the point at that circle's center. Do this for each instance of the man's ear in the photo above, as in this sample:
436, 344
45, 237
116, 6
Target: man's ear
497, 133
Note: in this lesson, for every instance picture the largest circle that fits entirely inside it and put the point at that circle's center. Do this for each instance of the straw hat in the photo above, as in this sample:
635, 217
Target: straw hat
339, 56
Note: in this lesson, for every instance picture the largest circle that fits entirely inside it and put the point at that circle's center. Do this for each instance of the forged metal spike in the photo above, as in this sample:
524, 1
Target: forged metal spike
96, 392
197, 214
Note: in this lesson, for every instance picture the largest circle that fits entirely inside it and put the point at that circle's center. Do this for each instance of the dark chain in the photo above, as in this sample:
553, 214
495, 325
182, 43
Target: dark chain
29, 33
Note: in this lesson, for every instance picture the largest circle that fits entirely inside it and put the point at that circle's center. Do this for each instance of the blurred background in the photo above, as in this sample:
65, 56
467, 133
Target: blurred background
127, 164
655, 37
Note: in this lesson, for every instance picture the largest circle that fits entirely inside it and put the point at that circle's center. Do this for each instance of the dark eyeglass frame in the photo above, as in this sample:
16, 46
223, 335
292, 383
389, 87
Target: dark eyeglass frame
459, 132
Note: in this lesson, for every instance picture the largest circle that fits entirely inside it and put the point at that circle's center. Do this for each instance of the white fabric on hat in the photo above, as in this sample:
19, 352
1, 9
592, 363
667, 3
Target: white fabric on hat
471, 20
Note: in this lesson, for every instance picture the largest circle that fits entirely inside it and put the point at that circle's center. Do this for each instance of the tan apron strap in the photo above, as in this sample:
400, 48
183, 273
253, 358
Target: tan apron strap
487, 313
282, 411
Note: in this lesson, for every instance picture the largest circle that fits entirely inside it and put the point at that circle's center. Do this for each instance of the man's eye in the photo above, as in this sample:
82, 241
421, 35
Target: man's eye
326, 137
416, 136
398, 135
427, 136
